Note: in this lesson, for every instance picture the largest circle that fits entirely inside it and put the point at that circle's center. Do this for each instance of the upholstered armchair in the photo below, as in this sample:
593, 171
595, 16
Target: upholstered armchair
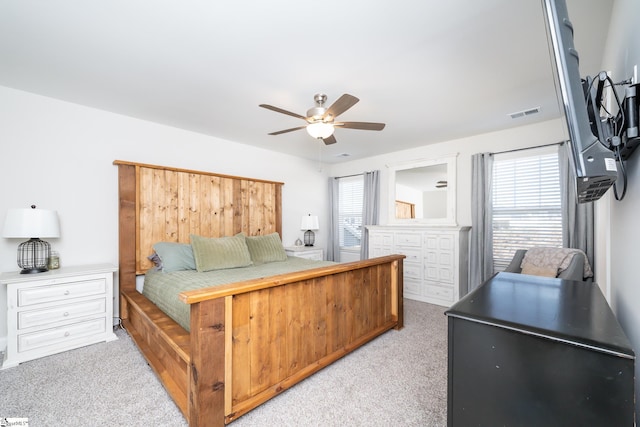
575, 268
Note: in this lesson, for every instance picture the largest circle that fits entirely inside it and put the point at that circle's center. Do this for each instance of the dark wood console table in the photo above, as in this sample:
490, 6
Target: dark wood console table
533, 351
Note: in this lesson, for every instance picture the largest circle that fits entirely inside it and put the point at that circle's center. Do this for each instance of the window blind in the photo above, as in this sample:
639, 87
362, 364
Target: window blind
526, 204
350, 199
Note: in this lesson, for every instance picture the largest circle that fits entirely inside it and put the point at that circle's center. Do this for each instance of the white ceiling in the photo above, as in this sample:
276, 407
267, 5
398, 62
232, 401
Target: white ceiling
431, 70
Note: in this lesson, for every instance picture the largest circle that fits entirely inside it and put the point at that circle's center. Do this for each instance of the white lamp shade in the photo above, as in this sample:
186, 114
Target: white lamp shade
320, 130
28, 223
309, 222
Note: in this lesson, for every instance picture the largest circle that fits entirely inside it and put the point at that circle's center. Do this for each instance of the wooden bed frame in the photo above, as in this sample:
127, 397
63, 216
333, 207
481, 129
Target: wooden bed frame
249, 341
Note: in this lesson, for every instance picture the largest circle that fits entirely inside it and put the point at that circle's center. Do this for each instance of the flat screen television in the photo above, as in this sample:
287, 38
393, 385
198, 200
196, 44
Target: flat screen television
593, 162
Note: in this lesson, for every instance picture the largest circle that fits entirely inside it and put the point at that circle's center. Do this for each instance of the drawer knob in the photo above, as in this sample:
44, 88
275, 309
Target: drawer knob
67, 292
66, 313
66, 334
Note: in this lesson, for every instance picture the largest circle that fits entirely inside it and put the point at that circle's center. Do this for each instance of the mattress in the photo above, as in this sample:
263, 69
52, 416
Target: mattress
163, 288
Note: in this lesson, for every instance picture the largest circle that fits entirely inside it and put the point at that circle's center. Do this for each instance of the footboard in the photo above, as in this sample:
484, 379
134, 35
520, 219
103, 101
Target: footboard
251, 341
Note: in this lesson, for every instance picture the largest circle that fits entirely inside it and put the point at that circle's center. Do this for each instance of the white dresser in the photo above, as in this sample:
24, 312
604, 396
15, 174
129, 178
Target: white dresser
57, 311
436, 263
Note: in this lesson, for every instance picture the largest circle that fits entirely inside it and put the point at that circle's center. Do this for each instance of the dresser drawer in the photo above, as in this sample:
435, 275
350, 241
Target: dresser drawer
381, 239
443, 258
412, 254
439, 292
60, 336
31, 318
412, 287
446, 242
440, 242
51, 293
409, 239
431, 257
377, 251
438, 273
412, 270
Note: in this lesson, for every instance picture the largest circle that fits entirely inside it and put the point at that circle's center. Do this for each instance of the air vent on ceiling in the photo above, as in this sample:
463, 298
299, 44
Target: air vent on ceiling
343, 155
524, 113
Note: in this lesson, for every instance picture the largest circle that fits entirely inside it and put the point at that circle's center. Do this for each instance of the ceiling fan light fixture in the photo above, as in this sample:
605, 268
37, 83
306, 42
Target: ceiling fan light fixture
320, 120
320, 130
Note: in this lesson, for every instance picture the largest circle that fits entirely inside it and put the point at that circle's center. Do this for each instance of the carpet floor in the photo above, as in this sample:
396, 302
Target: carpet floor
400, 378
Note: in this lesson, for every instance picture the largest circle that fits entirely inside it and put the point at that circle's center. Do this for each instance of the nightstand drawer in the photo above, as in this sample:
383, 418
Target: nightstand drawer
316, 255
31, 318
60, 336
38, 295
305, 252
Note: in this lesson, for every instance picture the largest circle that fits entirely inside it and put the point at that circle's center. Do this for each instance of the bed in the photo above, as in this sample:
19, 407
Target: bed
250, 340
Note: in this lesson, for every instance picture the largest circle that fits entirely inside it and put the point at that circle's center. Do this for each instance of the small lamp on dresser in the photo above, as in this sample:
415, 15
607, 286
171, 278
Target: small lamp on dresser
33, 255
309, 223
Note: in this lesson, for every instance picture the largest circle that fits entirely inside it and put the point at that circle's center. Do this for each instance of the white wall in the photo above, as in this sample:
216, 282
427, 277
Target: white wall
60, 156
621, 54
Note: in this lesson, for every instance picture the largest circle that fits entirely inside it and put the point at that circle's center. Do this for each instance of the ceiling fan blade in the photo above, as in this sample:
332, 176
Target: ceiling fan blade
360, 125
280, 110
341, 105
330, 140
287, 130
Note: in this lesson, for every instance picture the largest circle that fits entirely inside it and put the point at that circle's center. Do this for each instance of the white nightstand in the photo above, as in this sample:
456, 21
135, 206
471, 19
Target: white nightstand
308, 252
57, 311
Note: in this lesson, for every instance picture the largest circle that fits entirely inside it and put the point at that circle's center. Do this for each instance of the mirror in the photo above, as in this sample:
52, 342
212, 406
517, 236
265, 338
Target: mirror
424, 191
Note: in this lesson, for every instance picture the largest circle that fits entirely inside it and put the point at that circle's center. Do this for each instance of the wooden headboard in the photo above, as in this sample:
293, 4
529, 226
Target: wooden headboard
160, 203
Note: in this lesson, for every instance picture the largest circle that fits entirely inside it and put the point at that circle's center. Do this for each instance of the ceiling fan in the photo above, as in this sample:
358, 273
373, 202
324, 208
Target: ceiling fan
320, 120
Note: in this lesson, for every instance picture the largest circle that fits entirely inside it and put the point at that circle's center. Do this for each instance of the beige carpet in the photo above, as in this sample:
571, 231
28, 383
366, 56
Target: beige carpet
398, 379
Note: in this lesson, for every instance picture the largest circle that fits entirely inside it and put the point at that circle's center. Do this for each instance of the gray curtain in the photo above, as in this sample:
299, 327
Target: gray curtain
481, 239
333, 244
577, 219
370, 208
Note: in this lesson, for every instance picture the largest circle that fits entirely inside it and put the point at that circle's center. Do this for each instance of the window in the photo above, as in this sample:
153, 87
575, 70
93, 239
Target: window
350, 197
526, 203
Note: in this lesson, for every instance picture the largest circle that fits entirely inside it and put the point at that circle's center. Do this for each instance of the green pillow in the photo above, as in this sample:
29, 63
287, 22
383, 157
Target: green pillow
219, 253
175, 256
266, 248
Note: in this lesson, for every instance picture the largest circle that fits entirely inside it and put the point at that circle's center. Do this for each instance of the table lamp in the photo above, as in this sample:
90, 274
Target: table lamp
309, 223
33, 254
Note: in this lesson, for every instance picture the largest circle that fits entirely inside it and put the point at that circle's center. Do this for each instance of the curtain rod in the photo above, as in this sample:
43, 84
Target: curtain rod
527, 148
349, 176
